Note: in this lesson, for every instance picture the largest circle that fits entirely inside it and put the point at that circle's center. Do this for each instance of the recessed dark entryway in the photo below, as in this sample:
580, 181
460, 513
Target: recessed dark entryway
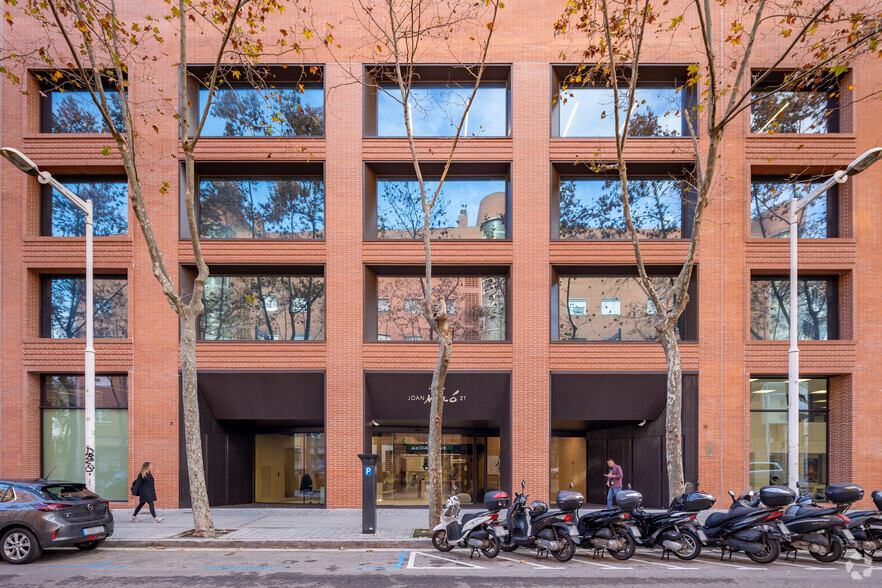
597, 416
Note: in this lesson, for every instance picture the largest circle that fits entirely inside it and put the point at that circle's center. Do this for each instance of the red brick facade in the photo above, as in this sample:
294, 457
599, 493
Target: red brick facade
724, 355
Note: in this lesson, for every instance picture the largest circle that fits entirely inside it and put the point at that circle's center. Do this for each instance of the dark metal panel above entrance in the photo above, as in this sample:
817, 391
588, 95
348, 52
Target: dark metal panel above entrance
613, 397
275, 397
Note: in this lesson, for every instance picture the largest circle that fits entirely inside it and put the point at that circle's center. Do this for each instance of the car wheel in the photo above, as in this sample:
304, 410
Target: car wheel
90, 545
19, 546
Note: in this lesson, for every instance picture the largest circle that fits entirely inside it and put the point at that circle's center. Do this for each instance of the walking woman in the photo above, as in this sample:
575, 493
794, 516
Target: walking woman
145, 489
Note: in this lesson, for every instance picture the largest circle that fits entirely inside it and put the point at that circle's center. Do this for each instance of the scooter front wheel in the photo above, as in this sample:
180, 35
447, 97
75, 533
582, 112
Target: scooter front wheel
495, 545
439, 540
508, 545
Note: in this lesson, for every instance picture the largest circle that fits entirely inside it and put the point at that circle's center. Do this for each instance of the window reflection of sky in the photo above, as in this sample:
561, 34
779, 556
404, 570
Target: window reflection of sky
216, 120
645, 212
770, 210
457, 194
436, 110
588, 112
74, 111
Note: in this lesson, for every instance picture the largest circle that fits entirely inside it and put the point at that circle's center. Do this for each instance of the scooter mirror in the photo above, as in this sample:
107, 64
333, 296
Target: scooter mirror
732, 493
523, 484
571, 485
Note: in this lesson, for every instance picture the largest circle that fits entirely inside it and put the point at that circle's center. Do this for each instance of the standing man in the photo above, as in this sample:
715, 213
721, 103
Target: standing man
613, 481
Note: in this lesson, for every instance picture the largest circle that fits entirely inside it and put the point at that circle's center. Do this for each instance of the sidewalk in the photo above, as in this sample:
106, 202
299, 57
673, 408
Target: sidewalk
272, 528
277, 528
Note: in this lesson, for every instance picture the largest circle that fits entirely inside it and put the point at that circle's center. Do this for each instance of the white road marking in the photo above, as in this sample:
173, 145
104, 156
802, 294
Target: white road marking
413, 554
539, 566
656, 563
732, 565
605, 566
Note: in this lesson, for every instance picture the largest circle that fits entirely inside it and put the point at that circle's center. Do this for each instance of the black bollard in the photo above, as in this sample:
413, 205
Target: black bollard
369, 493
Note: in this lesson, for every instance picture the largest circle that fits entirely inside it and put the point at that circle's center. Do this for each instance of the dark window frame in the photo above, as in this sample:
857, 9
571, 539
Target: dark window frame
676, 170
832, 197
671, 75
834, 318
278, 75
687, 324
431, 74
829, 84
46, 299
46, 91
46, 200
375, 171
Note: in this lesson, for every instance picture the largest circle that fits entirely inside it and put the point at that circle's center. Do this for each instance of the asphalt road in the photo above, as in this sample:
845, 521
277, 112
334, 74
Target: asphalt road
397, 567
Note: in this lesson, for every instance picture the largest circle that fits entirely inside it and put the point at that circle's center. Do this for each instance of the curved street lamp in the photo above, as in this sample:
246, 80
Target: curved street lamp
22, 162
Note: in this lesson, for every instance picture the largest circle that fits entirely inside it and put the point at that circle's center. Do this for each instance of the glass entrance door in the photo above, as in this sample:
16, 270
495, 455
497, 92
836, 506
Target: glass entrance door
403, 469
289, 468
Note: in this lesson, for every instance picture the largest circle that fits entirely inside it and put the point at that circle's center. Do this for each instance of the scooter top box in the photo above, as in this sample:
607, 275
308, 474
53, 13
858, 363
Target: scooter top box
843, 493
495, 500
569, 500
629, 499
777, 495
877, 498
698, 501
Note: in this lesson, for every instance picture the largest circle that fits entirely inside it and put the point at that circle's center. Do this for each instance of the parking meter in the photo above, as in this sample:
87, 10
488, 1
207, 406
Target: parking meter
368, 492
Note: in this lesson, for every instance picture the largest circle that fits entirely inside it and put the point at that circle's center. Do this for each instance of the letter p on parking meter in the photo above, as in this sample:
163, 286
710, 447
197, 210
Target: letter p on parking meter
369, 492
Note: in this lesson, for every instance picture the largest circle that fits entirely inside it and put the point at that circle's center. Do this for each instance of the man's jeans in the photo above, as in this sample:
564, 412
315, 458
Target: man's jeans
609, 496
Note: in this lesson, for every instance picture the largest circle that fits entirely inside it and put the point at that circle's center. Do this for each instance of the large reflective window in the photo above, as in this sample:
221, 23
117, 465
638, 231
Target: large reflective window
63, 432
403, 469
769, 432
264, 308
609, 308
475, 305
792, 112
770, 210
437, 108
109, 204
64, 307
290, 468
280, 110
770, 309
280, 207
590, 112
465, 209
74, 111
569, 464
591, 208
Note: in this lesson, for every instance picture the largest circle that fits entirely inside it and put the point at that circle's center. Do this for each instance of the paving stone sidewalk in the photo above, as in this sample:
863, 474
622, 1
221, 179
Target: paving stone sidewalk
271, 527
276, 528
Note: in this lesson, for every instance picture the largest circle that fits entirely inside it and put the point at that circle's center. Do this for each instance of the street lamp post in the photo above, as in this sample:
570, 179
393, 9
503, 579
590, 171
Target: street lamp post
23, 163
796, 206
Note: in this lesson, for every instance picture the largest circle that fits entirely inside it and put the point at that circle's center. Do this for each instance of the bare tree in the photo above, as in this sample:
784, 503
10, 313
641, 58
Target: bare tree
812, 40
94, 45
397, 31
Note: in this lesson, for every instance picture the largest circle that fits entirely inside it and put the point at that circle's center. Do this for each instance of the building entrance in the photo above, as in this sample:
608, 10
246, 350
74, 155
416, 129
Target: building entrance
289, 468
470, 462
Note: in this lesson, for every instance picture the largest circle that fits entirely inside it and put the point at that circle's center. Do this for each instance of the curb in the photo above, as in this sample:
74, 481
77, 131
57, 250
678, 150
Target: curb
270, 544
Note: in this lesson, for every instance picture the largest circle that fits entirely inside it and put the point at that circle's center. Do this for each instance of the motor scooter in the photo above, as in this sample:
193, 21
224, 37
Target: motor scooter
475, 530
612, 530
535, 528
674, 529
866, 528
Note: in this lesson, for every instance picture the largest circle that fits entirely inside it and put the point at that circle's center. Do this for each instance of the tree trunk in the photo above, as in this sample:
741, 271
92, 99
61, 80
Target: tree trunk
202, 521
673, 410
445, 348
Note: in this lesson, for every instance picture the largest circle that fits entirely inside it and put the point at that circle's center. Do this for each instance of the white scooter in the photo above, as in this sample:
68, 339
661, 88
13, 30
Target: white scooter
475, 531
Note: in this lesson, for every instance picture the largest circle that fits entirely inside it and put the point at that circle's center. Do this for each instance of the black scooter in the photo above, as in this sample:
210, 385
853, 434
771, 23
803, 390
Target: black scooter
535, 528
866, 528
612, 530
820, 530
674, 529
749, 528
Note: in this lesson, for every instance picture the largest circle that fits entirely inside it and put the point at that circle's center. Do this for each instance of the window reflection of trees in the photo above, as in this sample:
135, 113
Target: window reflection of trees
477, 304
67, 308
790, 112
75, 112
657, 207
264, 308
770, 309
276, 111
770, 210
634, 323
261, 208
110, 209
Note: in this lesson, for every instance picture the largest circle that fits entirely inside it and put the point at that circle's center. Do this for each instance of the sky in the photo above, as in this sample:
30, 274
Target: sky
581, 114
436, 111
459, 192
